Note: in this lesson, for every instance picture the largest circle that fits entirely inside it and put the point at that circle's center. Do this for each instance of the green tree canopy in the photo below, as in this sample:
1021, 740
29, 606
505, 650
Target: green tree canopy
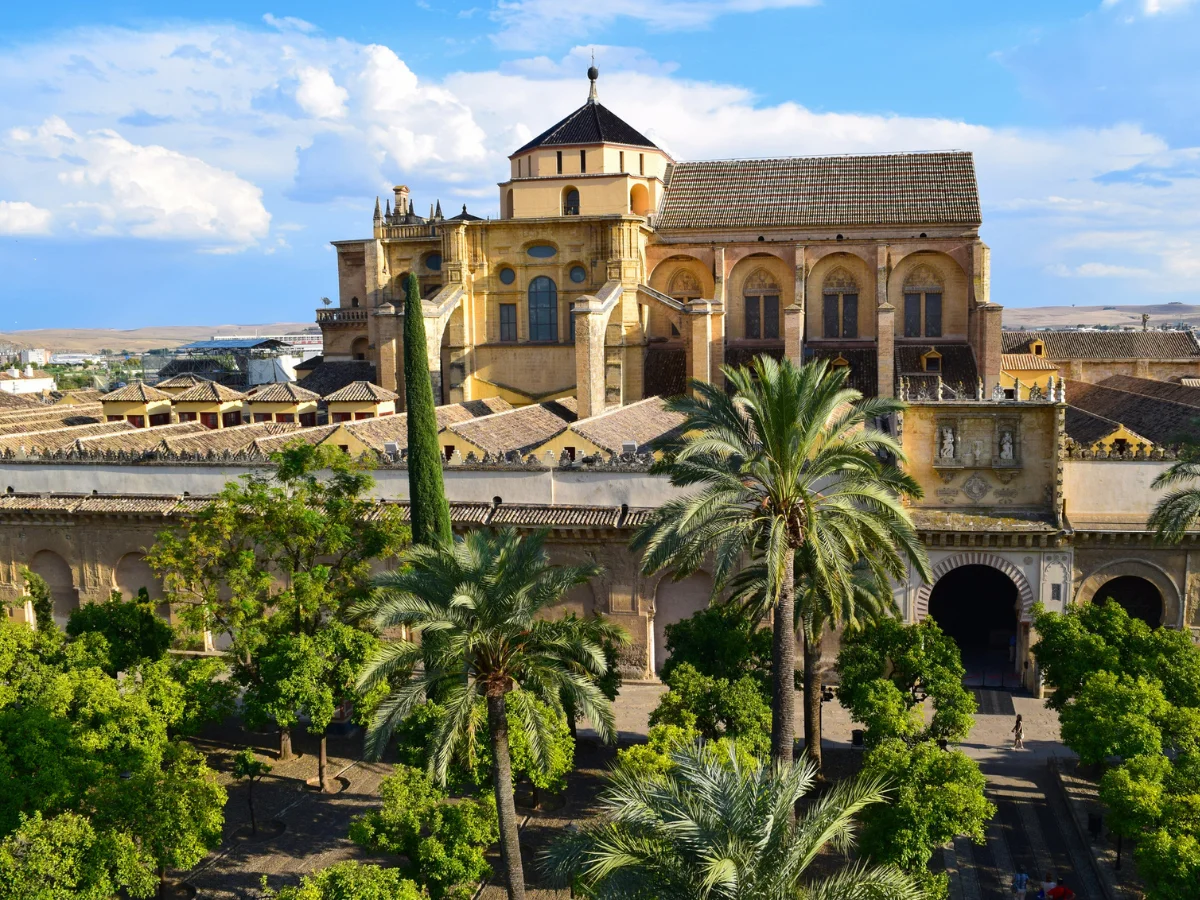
887, 672
786, 459
722, 641
349, 881
707, 829
716, 708
133, 632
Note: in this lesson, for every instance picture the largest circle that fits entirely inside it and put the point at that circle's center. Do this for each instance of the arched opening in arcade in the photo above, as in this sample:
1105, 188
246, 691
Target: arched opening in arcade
977, 606
1137, 596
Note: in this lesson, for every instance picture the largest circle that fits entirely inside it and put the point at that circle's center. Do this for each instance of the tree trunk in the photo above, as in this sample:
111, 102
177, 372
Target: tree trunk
285, 744
812, 701
322, 762
510, 843
162, 883
783, 712
250, 801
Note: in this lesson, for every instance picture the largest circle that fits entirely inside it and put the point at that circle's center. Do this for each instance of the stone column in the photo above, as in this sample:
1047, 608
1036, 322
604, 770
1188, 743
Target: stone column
988, 351
881, 274
719, 274
793, 315
701, 338
589, 357
389, 349
885, 344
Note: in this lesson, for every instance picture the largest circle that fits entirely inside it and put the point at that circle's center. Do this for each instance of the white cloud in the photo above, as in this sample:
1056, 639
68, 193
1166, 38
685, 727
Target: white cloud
110, 186
1098, 270
20, 217
1152, 7
319, 95
289, 23
530, 24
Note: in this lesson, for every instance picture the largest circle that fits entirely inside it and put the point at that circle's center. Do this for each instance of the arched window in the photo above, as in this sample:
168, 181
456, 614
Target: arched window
684, 286
761, 294
840, 310
639, 200
923, 303
508, 204
570, 202
354, 302
543, 309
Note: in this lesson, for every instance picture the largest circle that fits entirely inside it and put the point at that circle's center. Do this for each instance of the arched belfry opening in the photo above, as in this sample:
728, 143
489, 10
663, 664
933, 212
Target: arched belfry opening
977, 606
1139, 597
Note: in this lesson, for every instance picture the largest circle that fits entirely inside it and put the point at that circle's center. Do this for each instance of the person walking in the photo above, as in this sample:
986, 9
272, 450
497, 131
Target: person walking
1020, 884
1018, 732
1047, 886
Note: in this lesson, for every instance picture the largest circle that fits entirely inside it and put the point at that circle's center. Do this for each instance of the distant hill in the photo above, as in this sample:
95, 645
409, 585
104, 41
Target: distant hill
1031, 317
92, 340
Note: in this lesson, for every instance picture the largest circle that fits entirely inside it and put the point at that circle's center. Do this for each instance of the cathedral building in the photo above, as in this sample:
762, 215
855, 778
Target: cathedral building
617, 273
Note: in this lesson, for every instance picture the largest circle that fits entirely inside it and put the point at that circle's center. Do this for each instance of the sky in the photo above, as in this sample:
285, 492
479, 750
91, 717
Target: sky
189, 163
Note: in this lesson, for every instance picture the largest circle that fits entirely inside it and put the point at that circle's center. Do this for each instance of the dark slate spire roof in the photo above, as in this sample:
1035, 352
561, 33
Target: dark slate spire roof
464, 216
590, 124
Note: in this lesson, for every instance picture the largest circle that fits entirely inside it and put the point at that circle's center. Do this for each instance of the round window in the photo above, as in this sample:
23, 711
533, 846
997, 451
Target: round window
578, 274
433, 262
541, 251
507, 276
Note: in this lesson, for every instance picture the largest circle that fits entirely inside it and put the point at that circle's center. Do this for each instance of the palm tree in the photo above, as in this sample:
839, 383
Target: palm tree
1177, 512
474, 603
843, 578
712, 829
791, 447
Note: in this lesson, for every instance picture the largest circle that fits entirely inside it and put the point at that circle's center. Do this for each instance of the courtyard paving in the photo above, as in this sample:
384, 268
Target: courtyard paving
1031, 830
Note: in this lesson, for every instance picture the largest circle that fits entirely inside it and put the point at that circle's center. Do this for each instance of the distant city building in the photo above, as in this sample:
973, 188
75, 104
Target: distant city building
35, 357
26, 381
74, 359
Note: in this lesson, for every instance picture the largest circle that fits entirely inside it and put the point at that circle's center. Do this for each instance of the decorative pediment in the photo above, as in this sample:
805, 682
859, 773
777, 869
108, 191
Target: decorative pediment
684, 284
840, 281
923, 278
761, 282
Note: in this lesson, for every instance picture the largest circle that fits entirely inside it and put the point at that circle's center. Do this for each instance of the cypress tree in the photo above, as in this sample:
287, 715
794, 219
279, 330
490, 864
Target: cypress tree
427, 495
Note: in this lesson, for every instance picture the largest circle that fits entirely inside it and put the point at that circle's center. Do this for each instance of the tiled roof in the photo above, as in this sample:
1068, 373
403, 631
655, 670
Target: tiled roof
333, 376
232, 439
361, 392
864, 365
1160, 421
887, 189
1086, 428
46, 423
1147, 387
561, 516
5, 375
394, 429
519, 429
639, 422
209, 392
16, 401
138, 438
958, 364
41, 410
1105, 344
85, 395
274, 443
282, 392
57, 438
1026, 362
135, 393
590, 124
186, 380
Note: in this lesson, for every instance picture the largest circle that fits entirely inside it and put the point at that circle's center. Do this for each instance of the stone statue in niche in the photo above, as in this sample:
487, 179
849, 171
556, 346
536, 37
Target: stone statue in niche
947, 451
1006, 445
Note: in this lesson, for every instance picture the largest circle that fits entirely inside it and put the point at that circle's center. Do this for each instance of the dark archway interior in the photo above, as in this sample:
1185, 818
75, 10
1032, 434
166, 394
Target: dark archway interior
977, 607
1139, 597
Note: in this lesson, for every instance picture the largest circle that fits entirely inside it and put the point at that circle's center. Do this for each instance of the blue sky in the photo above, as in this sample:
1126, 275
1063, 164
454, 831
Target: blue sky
168, 163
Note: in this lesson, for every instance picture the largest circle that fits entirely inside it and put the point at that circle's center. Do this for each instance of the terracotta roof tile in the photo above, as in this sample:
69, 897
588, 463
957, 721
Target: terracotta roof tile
1161, 390
274, 443
186, 380
333, 376
61, 419
886, 189
556, 516
138, 438
639, 422
518, 430
360, 392
958, 364
232, 439
283, 392
209, 392
16, 401
135, 393
1160, 421
1026, 362
1105, 344
57, 438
